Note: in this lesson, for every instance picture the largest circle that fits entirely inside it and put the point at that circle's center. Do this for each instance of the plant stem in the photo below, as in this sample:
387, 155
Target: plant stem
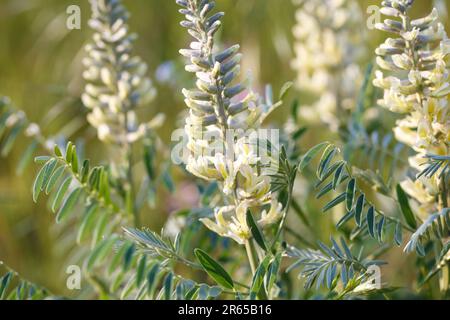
251, 258
129, 172
283, 219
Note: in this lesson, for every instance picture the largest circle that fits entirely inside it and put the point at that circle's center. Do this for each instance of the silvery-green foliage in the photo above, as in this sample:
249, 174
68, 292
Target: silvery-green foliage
119, 269
436, 164
15, 287
326, 266
72, 182
336, 177
117, 81
328, 52
437, 225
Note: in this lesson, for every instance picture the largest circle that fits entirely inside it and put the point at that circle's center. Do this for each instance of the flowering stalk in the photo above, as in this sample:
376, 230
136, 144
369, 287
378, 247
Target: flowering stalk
117, 84
415, 79
226, 111
327, 50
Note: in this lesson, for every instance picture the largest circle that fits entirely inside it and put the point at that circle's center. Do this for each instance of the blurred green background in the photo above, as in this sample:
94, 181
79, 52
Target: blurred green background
40, 68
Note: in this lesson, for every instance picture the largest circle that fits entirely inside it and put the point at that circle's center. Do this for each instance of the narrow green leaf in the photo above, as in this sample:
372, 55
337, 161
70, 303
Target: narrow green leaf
350, 193
85, 171
326, 159
100, 251
331, 275
99, 229
54, 179
74, 160
256, 232
168, 181
380, 228
348, 252
140, 270
285, 89
272, 272
149, 155
258, 278
48, 173
349, 215
151, 279
69, 203
69, 150
168, 286
128, 256
116, 260
57, 151
338, 175
87, 221
398, 234
330, 170
214, 269
299, 133
339, 199
42, 159
37, 185
190, 295
104, 186
4, 284
359, 208
311, 154
405, 207
325, 190
371, 221
60, 194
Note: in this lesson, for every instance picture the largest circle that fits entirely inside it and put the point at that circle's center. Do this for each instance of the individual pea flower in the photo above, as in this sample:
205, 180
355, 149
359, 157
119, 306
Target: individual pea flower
328, 52
231, 222
272, 216
221, 112
416, 82
117, 82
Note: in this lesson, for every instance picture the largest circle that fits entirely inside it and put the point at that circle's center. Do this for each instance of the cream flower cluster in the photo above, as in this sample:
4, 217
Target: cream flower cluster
328, 45
224, 110
117, 81
416, 83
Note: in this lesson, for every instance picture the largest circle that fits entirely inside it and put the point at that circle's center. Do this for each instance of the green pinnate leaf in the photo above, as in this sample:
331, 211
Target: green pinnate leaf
69, 204
214, 269
405, 207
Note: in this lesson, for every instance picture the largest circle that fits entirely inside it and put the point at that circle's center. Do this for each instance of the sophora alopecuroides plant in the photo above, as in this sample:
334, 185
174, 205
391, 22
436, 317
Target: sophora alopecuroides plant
248, 182
117, 81
93, 197
117, 85
222, 108
415, 78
